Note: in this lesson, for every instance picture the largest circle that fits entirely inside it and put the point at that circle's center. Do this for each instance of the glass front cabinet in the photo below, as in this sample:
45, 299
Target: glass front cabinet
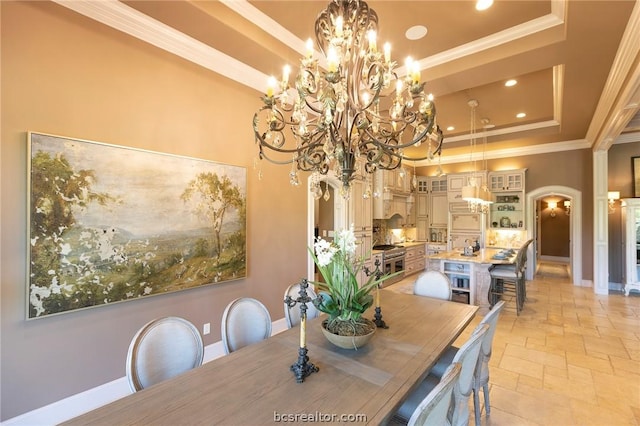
631, 241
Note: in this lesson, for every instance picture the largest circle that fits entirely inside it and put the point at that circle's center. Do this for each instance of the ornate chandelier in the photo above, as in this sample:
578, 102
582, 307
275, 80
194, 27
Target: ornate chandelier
356, 115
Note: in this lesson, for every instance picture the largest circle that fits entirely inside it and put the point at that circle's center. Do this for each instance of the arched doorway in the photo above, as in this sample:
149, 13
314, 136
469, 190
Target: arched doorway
575, 247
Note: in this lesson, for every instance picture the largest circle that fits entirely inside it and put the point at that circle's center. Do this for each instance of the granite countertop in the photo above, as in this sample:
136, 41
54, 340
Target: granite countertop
482, 256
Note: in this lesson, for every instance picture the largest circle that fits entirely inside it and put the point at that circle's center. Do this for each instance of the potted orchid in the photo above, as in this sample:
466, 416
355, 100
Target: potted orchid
340, 296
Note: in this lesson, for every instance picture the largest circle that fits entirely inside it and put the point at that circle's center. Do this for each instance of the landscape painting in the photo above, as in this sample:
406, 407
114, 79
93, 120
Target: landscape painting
109, 224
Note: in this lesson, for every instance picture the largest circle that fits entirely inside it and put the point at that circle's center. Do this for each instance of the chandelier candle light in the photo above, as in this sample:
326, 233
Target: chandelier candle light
355, 116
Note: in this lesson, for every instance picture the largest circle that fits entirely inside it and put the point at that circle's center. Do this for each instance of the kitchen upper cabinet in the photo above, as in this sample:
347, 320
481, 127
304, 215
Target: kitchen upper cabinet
438, 210
361, 209
422, 205
422, 209
456, 181
507, 180
397, 180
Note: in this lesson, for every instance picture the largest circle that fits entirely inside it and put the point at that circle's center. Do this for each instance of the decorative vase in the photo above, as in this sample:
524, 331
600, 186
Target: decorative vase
348, 342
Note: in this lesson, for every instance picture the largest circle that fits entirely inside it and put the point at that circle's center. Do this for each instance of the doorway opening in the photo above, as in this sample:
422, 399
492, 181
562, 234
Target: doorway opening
536, 206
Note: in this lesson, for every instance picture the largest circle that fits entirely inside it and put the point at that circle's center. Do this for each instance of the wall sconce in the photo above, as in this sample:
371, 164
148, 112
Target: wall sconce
567, 207
613, 196
552, 205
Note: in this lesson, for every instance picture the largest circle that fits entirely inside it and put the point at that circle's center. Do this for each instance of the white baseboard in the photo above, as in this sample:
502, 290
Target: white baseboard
75, 405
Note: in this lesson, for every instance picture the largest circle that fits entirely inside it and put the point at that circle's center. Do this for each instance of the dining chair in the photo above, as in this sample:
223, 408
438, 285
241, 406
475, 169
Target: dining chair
161, 349
467, 356
434, 284
292, 315
245, 321
434, 408
481, 373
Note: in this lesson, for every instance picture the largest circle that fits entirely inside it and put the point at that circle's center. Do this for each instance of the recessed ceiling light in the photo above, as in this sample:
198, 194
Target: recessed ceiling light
483, 4
521, 115
510, 83
416, 32
450, 128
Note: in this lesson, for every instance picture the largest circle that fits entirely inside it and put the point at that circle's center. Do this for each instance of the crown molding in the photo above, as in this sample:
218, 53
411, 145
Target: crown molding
504, 131
512, 152
123, 18
620, 98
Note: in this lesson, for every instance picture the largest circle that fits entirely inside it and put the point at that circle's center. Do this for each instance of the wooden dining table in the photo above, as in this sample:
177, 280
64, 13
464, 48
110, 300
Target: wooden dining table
254, 385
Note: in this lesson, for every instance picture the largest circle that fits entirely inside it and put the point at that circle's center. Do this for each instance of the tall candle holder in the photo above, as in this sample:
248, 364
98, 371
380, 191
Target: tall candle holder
377, 317
302, 368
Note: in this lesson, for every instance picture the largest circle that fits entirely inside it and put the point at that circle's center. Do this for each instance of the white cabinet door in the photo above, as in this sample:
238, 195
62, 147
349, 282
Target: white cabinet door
507, 180
360, 211
466, 222
439, 210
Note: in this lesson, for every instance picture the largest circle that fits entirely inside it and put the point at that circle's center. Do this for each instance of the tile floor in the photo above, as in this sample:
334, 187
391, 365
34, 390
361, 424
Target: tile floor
570, 358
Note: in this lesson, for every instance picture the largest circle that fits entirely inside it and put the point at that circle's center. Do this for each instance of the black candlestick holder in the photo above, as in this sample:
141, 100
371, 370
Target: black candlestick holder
302, 368
377, 317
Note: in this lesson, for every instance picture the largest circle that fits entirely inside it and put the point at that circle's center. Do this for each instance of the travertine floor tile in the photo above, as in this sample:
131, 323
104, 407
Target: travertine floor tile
570, 358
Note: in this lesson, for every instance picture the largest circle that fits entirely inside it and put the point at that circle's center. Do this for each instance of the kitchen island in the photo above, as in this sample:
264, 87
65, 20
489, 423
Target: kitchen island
469, 275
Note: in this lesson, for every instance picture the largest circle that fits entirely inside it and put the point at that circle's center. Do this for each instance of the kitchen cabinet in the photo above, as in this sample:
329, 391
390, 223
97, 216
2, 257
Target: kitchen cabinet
361, 208
422, 208
392, 192
466, 222
364, 244
422, 228
506, 180
414, 259
360, 215
456, 181
438, 202
460, 275
438, 210
397, 180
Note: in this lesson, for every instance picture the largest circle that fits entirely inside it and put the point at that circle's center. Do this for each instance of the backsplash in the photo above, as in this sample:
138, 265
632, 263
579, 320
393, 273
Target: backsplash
384, 234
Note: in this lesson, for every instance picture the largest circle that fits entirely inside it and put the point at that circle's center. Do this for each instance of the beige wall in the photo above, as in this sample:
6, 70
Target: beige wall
64, 74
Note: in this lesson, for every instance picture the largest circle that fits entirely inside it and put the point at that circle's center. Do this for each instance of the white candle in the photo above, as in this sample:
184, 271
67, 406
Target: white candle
285, 75
387, 52
339, 24
271, 84
309, 48
371, 35
332, 60
303, 332
415, 74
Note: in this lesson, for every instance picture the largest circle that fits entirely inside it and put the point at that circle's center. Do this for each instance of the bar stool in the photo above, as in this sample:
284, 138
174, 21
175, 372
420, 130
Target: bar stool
510, 280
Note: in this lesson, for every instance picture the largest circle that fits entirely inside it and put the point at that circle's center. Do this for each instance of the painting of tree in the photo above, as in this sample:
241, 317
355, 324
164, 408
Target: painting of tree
109, 224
